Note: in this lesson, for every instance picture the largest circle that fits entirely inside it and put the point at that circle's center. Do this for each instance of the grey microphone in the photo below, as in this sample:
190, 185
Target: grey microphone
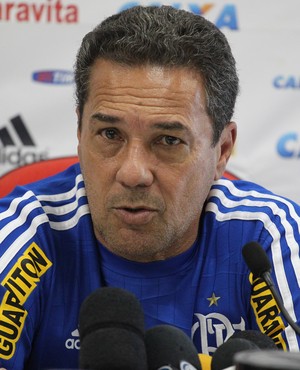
267, 360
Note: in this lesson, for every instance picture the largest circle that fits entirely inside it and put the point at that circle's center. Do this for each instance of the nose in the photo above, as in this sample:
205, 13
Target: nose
135, 167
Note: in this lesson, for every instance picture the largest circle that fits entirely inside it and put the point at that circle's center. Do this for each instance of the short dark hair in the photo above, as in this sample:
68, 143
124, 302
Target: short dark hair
168, 37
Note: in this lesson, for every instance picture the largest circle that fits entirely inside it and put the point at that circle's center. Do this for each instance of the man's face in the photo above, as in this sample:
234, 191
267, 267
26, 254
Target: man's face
147, 159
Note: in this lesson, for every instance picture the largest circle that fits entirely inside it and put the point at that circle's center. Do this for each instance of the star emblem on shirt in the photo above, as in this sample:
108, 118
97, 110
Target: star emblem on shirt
213, 300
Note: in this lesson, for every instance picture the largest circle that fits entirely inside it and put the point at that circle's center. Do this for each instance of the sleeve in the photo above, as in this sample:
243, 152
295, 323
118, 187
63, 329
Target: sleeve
280, 238
24, 271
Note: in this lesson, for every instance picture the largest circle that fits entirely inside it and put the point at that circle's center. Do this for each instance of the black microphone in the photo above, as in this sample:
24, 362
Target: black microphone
257, 260
260, 339
111, 328
169, 348
223, 357
240, 341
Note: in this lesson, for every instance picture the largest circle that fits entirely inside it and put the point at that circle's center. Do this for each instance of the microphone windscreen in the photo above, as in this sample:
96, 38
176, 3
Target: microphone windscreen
111, 328
256, 258
168, 346
223, 356
255, 336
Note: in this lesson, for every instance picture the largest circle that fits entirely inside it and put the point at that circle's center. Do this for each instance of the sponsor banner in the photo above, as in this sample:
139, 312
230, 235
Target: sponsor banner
50, 11
37, 113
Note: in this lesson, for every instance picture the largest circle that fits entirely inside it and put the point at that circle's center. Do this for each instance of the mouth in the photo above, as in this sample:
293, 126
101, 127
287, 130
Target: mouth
135, 215
136, 209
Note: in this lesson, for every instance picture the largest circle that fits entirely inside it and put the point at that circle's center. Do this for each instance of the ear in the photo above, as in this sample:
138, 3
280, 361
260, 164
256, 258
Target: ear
78, 126
226, 144
78, 134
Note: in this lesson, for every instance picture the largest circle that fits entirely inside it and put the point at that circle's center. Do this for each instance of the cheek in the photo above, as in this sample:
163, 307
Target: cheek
92, 172
196, 183
99, 177
96, 191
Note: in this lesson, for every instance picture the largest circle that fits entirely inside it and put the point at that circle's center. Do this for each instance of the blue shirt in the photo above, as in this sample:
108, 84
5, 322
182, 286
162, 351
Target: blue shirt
50, 261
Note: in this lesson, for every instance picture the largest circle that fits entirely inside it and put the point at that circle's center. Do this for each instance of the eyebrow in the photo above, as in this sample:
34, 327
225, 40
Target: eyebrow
105, 118
164, 125
173, 125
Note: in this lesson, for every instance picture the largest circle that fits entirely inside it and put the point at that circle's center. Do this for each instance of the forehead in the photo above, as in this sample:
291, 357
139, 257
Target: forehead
145, 81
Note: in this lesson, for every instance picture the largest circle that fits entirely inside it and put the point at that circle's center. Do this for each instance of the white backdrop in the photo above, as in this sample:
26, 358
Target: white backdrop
39, 40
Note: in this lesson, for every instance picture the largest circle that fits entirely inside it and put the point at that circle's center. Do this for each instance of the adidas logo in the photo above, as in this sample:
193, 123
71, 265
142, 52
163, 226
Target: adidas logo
74, 342
20, 129
17, 146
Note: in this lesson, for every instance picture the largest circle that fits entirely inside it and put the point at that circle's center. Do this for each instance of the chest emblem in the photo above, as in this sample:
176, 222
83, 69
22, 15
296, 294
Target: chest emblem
213, 300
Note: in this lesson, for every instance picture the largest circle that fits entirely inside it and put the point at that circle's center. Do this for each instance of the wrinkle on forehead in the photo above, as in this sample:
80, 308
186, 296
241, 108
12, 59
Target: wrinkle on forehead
152, 84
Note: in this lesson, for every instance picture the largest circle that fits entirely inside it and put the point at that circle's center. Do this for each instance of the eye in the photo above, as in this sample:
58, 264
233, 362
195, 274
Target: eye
170, 140
110, 133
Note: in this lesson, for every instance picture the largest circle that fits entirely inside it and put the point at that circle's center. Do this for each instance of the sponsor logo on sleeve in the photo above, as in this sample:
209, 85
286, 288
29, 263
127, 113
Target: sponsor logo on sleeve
19, 283
266, 311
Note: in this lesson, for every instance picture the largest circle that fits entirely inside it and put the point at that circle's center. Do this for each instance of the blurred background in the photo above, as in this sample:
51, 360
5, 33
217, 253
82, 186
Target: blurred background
39, 40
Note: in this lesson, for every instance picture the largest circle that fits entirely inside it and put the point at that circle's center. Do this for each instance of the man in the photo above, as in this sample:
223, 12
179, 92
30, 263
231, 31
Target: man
147, 210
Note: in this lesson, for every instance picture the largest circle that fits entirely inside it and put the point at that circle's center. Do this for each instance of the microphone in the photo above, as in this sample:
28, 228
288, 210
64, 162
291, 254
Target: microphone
223, 356
111, 329
245, 340
169, 348
257, 260
267, 360
260, 339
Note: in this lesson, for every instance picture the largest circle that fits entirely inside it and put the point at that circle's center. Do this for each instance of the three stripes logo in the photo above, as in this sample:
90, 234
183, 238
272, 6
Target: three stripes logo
17, 146
21, 131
